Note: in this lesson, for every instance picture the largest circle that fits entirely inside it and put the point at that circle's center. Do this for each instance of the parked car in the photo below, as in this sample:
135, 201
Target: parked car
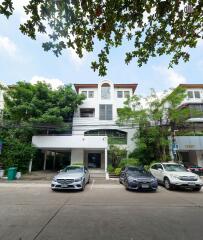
196, 169
71, 177
137, 178
175, 175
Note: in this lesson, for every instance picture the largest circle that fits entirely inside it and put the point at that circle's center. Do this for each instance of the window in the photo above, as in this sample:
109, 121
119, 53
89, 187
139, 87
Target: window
159, 166
105, 91
190, 94
87, 112
119, 94
197, 94
126, 94
84, 93
105, 112
91, 94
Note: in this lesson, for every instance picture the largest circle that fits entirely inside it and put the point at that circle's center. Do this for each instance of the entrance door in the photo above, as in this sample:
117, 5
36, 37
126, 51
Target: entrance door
94, 160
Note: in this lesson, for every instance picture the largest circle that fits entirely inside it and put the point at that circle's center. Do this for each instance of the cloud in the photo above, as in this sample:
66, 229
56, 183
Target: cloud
6, 45
171, 77
54, 82
18, 6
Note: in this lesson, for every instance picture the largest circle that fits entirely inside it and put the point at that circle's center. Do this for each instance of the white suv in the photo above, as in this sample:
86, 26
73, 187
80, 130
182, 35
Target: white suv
175, 175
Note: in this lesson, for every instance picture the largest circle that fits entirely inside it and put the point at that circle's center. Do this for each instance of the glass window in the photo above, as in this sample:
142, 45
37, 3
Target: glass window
105, 91
119, 94
126, 94
91, 94
174, 168
197, 94
159, 166
84, 93
190, 94
87, 112
105, 112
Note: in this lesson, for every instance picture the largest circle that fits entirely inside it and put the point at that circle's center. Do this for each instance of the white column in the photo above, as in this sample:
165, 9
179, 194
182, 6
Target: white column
45, 160
54, 161
105, 159
30, 166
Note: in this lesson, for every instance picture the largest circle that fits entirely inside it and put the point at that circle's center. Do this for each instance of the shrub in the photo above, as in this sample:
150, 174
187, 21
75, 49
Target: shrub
117, 171
110, 168
129, 161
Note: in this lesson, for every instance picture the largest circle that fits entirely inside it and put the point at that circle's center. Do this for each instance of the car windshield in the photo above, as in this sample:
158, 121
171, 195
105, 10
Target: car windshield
174, 168
73, 169
132, 171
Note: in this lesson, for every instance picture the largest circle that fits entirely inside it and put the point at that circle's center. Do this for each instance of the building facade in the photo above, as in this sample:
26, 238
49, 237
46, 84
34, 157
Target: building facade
94, 126
190, 139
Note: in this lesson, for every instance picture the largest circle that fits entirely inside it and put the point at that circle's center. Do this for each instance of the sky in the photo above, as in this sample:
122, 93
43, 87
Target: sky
24, 59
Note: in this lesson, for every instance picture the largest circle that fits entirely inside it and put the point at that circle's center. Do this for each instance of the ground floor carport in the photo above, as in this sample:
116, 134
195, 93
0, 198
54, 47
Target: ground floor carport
88, 150
190, 150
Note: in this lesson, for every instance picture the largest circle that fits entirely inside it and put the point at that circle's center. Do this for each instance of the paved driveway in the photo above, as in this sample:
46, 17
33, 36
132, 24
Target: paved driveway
102, 212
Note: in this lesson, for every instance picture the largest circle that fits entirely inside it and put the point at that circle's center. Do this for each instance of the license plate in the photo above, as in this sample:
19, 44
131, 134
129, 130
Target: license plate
64, 185
145, 185
191, 184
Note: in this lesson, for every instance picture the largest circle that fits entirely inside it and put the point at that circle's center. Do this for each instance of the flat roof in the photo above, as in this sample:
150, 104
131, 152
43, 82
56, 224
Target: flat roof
133, 86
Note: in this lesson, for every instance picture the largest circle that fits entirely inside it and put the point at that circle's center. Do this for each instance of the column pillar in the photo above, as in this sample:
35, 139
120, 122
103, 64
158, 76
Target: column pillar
105, 159
54, 161
30, 166
45, 160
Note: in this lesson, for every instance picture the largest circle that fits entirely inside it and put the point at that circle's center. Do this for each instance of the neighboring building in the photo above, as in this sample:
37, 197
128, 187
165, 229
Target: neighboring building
190, 144
94, 126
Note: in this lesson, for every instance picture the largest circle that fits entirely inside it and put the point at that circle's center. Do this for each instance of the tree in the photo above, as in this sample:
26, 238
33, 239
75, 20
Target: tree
33, 109
153, 27
156, 122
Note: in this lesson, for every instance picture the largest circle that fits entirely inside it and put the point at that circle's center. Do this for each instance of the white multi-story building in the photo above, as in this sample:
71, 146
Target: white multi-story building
94, 126
190, 144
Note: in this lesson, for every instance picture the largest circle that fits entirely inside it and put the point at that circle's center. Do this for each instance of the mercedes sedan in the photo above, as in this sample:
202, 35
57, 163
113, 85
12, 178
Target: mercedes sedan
71, 177
137, 178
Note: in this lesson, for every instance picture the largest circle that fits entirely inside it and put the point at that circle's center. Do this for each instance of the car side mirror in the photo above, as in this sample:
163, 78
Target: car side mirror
159, 169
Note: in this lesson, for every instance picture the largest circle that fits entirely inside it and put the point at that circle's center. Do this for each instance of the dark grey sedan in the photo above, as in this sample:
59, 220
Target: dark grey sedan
137, 178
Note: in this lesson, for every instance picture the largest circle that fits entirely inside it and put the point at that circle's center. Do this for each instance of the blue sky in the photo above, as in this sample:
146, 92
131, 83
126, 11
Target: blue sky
24, 59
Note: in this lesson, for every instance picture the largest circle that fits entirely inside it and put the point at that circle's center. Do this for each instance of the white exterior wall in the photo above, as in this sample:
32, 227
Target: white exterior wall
199, 155
194, 100
81, 125
77, 156
1, 100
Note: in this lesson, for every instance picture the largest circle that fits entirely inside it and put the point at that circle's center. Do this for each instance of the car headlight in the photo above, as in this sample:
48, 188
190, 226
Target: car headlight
54, 179
175, 177
78, 179
131, 179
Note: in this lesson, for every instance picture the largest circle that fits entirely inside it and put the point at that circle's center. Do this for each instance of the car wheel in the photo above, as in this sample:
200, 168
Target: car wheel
167, 184
197, 189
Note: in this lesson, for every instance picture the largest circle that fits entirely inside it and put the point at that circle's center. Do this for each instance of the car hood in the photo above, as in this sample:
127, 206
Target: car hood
143, 177
182, 174
65, 175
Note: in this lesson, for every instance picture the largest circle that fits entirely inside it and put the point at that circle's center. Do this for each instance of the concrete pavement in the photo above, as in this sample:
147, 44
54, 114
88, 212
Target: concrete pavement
103, 211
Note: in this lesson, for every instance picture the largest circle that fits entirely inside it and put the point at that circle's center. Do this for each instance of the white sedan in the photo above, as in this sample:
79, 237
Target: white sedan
175, 175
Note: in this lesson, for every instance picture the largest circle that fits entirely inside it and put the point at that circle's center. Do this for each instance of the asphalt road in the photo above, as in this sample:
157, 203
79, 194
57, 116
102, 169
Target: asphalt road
102, 212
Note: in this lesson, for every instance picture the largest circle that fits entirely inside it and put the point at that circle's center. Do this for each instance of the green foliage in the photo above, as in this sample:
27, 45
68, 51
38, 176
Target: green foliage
115, 154
153, 28
16, 154
129, 162
156, 121
33, 109
110, 168
39, 104
117, 171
